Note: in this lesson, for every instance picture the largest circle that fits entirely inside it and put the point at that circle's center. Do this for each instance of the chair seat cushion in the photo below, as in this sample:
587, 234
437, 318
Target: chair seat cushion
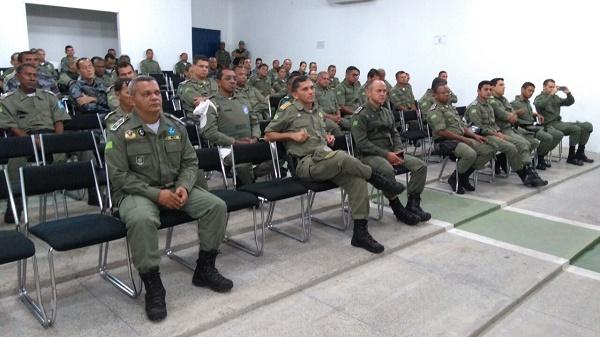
236, 200
274, 190
414, 134
318, 186
14, 246
172, 217
79, 231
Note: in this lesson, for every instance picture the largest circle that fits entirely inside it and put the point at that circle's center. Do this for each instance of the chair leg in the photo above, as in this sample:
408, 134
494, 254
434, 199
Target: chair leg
53, 304
311, 199
35, 306
259, 240
132, 291
170, 253
305, 223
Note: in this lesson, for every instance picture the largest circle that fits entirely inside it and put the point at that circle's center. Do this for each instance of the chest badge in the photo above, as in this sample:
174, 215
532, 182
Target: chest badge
129, 134
245, 110
141, 132
171, 131
139, 160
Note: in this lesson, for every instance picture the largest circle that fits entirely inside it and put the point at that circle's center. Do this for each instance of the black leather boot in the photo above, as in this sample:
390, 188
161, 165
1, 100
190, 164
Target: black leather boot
389, 186
541, 163
362, 239
464, 180
572, 158
403, 214
414, 206
501, 164
206, 275
156, 308
452, 181
580, 154
540, 181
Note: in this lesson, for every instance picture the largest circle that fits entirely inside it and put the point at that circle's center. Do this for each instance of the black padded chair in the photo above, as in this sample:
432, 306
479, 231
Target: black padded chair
275, 189
413, 135
209, 160
17, 247
84, 122
77, 231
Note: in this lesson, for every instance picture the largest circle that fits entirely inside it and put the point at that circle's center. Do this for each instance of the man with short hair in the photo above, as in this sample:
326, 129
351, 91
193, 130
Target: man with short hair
548, 105
257, 102
110, 63
149, 66
279, 86
401, 95
213, 66
261, 80
382, 74
145, 182
548, 138
452, 136
273, 71
125, 103
112, 52
481, 114
300, 127
45, 80
348, 92
312, 66
180, 65
14, 63
125, 73
199, 88
222, 56
287, 65
70, 53
88, 94
241, 51
334, 81
247, 64
100, 69
257, 63
66, 78
377, 143
444, 75
45, 66
29, 110
327, 101
372, 75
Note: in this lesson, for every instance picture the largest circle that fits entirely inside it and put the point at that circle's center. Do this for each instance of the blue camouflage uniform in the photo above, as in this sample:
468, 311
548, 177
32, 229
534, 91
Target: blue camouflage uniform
96, 89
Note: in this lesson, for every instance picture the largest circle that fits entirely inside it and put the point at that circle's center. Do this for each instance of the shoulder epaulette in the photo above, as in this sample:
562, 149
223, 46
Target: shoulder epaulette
110, 88
119, 122
285, 105
6, 95
49, 92
433, 106
359, 109
107, 116
173, 118
475, 102
184, 82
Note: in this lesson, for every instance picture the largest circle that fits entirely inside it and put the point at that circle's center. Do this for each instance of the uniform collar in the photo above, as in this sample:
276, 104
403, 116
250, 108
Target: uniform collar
300, 107
137, 122
372, 106
520, 99
22, 95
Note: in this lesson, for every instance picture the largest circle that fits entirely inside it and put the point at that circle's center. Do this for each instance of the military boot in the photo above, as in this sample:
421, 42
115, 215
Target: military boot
501, 163
572, 158
414, 206
464, 180
403, 214
156, 308
206, 275
580, 154
452, 181
541, 163
381, 182
540, 181
362, 239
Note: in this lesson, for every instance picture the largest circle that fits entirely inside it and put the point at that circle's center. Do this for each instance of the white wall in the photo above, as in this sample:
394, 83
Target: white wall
164, 26
93, 32
214, 14
518, 40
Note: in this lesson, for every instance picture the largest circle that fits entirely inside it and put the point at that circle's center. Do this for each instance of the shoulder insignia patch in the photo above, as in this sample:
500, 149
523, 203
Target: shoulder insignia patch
107, 116
433, 107
360, 108
168, 115
49, 92
119, 122
6, 95
285, 105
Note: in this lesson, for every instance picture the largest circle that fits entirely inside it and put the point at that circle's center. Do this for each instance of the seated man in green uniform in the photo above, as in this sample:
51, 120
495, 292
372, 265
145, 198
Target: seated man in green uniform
180, 66
331, 70
548, 105
428, 99
125, 103
327, 100
348, 95
401, 95
125, 72
548, 138
230, 120
258, 102
302, 130
152, 167
451, 135
149, 66
480, 113
29, 110
261, 80
377, 142
279, 86
197, 89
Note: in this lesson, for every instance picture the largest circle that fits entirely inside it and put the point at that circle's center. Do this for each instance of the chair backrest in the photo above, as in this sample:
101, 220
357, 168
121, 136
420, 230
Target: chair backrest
255, 153
15, 147
178, 113
4, 185
81, 122
274, 102
461, 110
193, 133
160, 78
263, 126
410, 115
36, 180
209, 159
67, 142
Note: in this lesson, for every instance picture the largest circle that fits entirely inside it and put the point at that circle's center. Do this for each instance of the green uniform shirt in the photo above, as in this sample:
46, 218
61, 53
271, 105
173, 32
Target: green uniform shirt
190, 89
527, 118
427, 100
149, 67
444, 117
279, 88
481, 114
258, 102
501, 108
263, 84
141, 162
223, 58
38, 111
402, 97
113, 100
112, 117
334, 82
348, 95
48, 68
292, 117
272, 75
549, 106
64, 65
327, 100
374, 131
65, 79
228, 119
180, 67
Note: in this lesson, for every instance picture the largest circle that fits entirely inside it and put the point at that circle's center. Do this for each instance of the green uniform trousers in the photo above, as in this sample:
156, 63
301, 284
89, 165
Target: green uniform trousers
343, 170
525, 144
514, 155
473, 155
417, 168
578, 132
141, 217
549, 139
